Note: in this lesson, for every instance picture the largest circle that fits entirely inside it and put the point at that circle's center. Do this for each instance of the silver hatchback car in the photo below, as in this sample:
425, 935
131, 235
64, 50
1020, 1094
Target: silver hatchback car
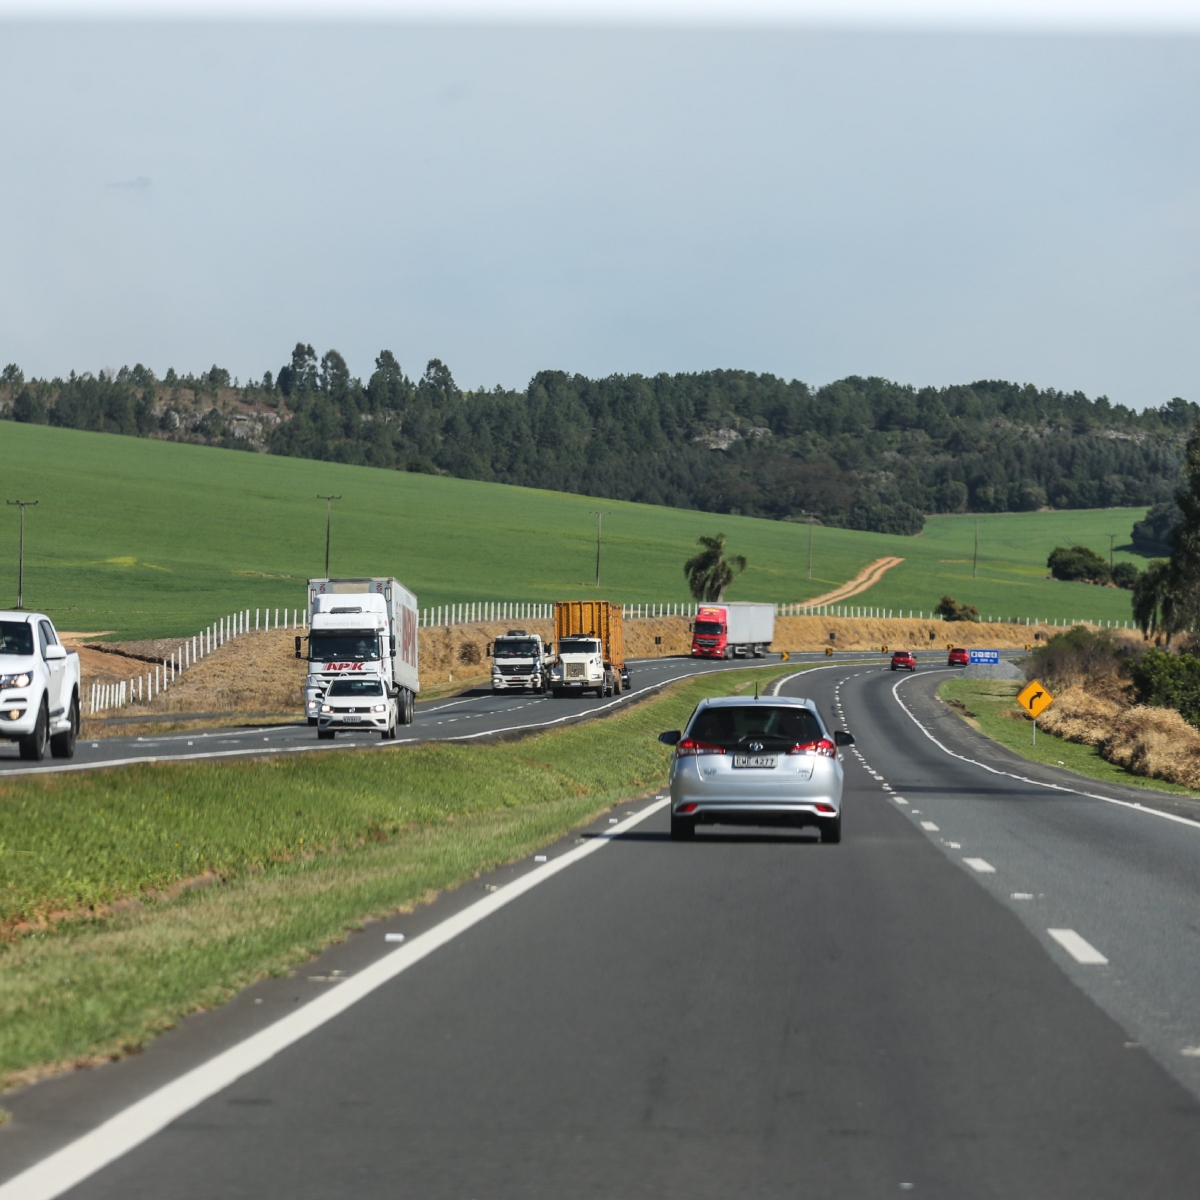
749, 761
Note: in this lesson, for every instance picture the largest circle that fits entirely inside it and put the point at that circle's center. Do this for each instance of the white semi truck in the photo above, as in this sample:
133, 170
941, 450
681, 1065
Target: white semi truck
519, 663
39, 687
360, 629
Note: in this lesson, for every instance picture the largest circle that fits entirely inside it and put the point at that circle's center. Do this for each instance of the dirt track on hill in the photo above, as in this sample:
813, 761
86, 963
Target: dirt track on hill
868, 577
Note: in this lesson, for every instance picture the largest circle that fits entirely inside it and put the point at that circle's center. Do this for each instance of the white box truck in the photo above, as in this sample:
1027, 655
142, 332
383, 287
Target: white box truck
738, 630
360, 629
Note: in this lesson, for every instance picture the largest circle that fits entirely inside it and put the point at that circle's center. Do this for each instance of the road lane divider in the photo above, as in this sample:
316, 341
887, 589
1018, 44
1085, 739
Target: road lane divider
128, 1129
981, 865
1080, 950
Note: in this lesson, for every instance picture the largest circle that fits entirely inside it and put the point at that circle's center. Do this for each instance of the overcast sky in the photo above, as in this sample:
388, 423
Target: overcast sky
934, 202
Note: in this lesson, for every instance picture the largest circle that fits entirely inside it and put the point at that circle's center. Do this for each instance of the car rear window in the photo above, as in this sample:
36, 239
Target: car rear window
728, 725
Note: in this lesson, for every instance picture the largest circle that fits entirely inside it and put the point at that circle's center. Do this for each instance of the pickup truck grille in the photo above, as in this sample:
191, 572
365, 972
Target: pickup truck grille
575, 671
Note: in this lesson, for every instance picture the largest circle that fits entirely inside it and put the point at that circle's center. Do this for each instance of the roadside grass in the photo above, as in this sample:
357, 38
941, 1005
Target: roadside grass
988, 706
194, 532
304, 849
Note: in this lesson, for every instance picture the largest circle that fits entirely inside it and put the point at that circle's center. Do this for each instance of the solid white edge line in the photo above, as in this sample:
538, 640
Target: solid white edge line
82, 1158
1055, 787
1081, 950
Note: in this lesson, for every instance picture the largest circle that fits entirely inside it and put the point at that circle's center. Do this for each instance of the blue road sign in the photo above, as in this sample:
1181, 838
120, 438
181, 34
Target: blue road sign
988, 658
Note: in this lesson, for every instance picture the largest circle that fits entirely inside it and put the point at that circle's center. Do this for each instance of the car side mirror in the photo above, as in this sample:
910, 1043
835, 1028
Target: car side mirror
671, 737
54, 653
298, 641
842, 738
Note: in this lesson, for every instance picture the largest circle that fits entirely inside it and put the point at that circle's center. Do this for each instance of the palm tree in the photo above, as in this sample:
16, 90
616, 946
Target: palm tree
709, 573
1160, 600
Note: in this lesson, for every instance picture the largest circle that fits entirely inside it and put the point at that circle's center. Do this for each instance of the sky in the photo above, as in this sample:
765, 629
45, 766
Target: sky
1010, 191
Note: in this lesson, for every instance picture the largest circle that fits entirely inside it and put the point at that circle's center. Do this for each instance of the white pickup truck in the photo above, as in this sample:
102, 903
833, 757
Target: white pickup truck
39, 687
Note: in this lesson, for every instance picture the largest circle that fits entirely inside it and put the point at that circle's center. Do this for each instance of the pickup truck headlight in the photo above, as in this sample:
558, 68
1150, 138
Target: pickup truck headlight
21, 679
379, 708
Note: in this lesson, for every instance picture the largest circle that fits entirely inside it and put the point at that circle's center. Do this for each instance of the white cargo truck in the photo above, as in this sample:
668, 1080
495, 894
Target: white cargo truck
39, 687
360, 629
519, 663
738, 630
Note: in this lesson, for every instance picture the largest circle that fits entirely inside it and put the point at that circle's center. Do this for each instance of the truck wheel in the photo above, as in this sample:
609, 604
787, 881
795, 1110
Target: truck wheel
325, 735
410, 707
33, 746
62, 745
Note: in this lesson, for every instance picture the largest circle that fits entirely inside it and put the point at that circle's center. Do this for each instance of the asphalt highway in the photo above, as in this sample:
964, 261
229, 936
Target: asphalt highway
988, 989
472, 716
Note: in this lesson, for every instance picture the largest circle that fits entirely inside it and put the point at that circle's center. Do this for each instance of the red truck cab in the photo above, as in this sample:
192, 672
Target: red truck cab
710, 634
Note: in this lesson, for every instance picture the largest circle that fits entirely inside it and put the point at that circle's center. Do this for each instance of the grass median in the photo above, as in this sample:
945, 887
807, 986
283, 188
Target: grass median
106, 945
990, 706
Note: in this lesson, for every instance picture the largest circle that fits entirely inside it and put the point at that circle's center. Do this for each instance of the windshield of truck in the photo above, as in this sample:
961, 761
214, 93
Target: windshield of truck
16, 637
727, 726
516, 648
344, 645
578, 646
709, 627
356, 687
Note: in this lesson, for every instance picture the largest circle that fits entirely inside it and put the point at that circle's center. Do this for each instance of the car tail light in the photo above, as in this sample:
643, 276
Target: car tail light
687, 809
689, 747
824, 747
825, 808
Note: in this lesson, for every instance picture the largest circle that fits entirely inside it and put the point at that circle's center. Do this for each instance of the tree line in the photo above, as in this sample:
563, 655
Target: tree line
862, 453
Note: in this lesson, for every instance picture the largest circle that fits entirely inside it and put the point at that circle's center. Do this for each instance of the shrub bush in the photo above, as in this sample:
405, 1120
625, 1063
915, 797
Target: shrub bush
1125, 575
1169, 681
949, 609
1077, 563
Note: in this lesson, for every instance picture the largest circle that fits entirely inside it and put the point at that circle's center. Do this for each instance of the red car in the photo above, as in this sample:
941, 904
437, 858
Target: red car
958, 658
904, 660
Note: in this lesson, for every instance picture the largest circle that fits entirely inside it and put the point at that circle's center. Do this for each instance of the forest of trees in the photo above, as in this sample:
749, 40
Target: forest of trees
859, 453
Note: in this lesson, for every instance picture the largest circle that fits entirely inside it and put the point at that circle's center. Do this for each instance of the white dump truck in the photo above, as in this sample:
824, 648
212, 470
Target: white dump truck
360, 629
39, 687
519, 662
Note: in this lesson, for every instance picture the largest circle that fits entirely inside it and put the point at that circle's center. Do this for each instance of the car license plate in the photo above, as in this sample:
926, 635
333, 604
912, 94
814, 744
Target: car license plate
754, 760
352, 720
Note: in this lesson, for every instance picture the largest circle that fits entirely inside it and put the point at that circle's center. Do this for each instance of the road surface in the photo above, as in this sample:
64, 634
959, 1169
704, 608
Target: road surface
749, 1014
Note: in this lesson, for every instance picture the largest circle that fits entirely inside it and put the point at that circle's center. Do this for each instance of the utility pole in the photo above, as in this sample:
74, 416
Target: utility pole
975, 564
599, 524
810, 535
1111, 536
328, 519
24, 504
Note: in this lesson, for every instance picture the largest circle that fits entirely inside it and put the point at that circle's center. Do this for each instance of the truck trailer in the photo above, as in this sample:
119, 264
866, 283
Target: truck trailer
590, 649
739, 630
360, 629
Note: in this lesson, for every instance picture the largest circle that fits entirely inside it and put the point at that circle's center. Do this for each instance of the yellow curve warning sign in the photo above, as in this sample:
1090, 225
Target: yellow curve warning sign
1034, 698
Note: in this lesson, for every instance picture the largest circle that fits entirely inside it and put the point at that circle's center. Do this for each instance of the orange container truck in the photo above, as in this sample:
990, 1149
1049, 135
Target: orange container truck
590, 649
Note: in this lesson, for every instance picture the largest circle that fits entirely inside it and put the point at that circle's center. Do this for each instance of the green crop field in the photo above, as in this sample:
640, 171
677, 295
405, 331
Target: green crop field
145, 538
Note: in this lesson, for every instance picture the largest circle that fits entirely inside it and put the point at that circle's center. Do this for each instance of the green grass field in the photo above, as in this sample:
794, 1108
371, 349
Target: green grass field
148, 538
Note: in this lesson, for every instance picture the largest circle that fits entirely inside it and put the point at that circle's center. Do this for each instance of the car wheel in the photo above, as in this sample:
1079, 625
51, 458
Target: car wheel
312, 720
325, 735
33, 746
62, 745
683, 829
831, 830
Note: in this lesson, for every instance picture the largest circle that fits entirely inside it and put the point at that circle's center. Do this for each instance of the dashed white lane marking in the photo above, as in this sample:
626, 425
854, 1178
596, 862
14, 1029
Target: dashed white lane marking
1054, 787
929, 827
900, 800
139, 1122
1080, 950
981, 865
